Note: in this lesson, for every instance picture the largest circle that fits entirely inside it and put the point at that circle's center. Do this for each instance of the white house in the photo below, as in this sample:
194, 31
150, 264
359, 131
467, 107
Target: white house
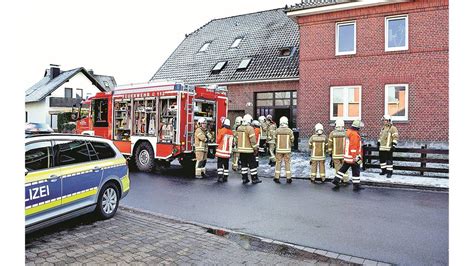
59, 90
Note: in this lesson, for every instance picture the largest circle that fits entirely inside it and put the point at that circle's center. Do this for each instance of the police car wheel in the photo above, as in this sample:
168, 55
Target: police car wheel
108, 201
144, 157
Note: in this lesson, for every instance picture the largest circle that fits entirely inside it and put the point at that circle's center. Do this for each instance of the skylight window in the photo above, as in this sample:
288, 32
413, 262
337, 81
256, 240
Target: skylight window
204, 47
244, 64
218, 67
236, 43
286, 51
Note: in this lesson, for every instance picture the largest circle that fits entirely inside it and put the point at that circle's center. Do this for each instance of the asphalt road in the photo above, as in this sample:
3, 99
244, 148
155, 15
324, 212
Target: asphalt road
406, 227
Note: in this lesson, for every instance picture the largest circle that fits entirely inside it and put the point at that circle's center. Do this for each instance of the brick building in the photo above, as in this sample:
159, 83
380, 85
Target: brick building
254, 55
364, 59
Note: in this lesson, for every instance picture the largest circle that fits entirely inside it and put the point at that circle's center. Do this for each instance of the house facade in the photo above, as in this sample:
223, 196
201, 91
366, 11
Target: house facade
59, 90
361, 60
254, 55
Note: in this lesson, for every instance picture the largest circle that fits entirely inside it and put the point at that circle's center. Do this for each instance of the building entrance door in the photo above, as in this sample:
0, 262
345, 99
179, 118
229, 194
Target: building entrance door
277, 104
279, 112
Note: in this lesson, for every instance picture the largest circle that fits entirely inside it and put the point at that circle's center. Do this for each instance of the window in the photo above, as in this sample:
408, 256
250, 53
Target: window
100, 112
244, 64
345, 38
38, 156
286, 51
102, 150
67, 92
236, 43
396, 33
396, 101
106, 84
345, 102
79, 93
72, 152
218, 67
204, 47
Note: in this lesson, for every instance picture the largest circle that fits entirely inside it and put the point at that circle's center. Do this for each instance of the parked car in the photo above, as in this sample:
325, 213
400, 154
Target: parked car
70, 175
37, 128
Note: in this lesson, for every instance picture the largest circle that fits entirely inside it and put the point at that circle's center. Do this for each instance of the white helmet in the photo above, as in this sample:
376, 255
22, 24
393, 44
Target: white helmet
247, 120
387, 117
339, 122
283, 120
202, 121
227, 122
318, 127
261, 119
269, 117
238, 120
255, 123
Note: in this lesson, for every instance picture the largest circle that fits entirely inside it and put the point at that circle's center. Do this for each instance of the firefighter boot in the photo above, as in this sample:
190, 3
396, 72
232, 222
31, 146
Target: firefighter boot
336, 182
384, 171
245, 179
357, 187
389, 174
289, 180
220, 178
276, 180
255, 179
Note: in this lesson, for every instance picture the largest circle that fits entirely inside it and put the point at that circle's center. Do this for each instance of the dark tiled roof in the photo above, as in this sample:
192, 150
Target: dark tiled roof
264, 34
46, 85
108, 82
314, 3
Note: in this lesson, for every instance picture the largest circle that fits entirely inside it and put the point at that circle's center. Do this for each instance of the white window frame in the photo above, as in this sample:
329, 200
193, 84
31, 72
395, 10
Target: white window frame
204, 47
401, 48
337, 37
397, 118
346, 102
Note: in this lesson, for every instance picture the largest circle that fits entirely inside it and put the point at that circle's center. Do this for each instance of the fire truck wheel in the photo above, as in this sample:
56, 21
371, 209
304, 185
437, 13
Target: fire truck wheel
144, 157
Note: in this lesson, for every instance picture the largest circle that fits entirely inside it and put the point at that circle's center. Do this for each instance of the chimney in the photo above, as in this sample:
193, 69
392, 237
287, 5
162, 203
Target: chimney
91, 71
54, 71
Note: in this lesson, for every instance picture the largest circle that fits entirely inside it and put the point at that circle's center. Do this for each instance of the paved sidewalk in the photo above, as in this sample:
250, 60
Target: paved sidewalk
134, 237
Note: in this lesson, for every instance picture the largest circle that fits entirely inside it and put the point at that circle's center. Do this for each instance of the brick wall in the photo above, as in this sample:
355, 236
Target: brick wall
424, 67
241, 94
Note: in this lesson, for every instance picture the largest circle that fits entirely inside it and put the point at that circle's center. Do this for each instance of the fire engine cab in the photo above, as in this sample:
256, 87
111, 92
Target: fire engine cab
153, 122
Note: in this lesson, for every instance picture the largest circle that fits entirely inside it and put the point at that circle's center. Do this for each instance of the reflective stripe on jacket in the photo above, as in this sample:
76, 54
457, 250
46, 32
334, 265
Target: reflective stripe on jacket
352, 146
225, 138
246, 141
336, 143
388, 135
284, 139
317, 144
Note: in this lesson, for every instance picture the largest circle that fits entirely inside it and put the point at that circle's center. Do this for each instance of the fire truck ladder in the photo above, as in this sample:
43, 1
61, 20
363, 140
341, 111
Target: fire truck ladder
189, 131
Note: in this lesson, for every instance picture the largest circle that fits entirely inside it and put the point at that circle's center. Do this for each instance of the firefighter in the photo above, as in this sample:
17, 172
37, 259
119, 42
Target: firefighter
256, 126
235, 154
352, 156
317, 145
387, 142
263, 135
247, 147
201, 138
336, 148
225, 138
271, 129
284, 140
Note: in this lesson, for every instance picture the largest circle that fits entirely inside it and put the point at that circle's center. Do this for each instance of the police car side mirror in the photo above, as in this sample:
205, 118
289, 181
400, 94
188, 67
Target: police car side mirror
26, 171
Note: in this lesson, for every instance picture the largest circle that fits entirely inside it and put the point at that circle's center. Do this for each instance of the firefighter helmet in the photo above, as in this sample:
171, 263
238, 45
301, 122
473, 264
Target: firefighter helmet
269, 117
255, 123
318, 127
339, 122
283, 120
247, 119
227, 122
357, 124
238, 120
261, 119
201, 121
387, 117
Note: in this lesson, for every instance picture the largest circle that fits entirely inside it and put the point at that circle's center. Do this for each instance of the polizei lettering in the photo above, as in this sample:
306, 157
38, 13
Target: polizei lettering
38, 192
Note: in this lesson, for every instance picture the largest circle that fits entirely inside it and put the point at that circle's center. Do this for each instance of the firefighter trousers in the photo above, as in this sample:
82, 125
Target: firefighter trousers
386, 160
337, 165
271, 148
287, 158
223, 167
201, 159
249, 164
235, 161
355, 167
315, 164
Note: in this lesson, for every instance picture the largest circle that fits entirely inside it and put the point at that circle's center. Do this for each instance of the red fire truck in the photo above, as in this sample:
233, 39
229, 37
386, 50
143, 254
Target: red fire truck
153, 123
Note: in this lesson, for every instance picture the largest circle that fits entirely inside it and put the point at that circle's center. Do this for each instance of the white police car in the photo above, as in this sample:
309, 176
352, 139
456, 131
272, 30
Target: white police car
70, 175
